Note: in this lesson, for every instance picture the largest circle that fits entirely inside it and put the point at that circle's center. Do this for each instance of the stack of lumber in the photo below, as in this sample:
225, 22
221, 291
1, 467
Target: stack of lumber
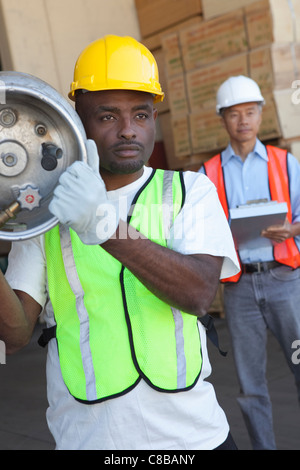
198, 45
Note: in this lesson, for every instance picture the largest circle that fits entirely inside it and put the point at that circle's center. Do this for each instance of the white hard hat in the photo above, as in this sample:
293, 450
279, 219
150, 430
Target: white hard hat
238, 90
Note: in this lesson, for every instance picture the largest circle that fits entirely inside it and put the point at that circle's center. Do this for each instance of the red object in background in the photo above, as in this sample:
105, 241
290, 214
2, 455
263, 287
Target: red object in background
158, 158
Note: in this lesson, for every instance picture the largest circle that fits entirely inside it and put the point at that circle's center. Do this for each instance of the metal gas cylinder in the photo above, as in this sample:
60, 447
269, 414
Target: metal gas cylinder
40, 136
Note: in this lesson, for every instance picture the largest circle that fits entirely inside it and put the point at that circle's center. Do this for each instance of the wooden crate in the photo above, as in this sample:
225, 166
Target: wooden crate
203, 83
213, 8
160, 60
154, 41
210, 41
275, 67
257, 40
266, 20
157, 15
177, 95
270, 127
295, 149
269, 21
288, 109
207, 131
296, 19
176, 139
172, 54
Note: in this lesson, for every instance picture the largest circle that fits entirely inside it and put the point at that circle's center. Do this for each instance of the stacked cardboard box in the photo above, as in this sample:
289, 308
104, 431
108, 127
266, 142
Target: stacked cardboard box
213, 41
213, 8
157, 15
199, 50
158, 18
275, 63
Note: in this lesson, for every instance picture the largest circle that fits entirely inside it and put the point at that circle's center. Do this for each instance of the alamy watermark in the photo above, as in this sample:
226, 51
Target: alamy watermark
2, 92
2, 353
296, 93
189, 225
296, 353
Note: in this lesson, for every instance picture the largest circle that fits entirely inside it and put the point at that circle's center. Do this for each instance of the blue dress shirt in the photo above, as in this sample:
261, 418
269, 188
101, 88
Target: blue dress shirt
248, 180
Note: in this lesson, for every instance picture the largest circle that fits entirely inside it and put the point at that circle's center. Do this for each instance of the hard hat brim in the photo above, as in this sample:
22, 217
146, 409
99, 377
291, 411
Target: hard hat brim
219, 108
157, 97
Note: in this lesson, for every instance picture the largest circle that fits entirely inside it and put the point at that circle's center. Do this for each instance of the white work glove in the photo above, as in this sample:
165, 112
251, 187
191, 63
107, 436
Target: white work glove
80, 200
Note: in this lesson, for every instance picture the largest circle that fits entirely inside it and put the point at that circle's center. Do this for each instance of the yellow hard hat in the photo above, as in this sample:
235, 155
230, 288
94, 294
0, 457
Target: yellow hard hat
116, 63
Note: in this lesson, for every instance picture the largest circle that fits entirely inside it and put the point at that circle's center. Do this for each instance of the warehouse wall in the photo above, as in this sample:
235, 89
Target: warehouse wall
45, 37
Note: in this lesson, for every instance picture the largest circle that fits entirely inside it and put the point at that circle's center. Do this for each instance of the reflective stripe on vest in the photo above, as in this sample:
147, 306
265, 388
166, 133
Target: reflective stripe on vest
141, 336
168, 215
286, 252
83, 316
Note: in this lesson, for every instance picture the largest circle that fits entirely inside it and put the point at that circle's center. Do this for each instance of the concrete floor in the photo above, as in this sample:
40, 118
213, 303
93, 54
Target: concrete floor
286, 411
23, 401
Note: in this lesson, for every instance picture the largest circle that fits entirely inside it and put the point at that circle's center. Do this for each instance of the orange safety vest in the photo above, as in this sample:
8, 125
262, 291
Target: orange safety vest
286, 252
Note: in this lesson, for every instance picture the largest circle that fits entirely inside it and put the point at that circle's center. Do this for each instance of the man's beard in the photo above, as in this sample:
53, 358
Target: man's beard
126, 167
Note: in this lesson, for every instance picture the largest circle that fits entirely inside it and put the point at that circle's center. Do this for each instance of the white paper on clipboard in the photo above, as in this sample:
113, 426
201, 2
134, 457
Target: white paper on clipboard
248, 221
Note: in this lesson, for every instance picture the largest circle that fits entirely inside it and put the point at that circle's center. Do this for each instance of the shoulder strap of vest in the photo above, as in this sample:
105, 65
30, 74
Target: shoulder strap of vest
140, 190
209, 324
46, 336
279, 177
286, 252
168, 201
214, 171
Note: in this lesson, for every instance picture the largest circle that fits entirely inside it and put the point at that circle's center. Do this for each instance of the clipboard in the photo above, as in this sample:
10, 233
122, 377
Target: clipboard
247, 221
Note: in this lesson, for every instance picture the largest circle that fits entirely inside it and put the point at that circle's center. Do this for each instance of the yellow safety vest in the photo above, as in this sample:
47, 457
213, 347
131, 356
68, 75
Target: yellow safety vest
111, 330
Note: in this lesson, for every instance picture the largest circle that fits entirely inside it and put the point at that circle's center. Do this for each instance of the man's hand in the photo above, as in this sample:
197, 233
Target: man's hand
80, 201
280, 233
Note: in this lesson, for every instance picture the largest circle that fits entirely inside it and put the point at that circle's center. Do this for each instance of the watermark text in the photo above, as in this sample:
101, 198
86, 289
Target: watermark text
296, 93
2, 92
296, 353
2, 353
156, 219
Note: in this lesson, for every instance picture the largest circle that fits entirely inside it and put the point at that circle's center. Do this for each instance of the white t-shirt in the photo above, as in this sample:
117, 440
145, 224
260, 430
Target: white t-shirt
143, 418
